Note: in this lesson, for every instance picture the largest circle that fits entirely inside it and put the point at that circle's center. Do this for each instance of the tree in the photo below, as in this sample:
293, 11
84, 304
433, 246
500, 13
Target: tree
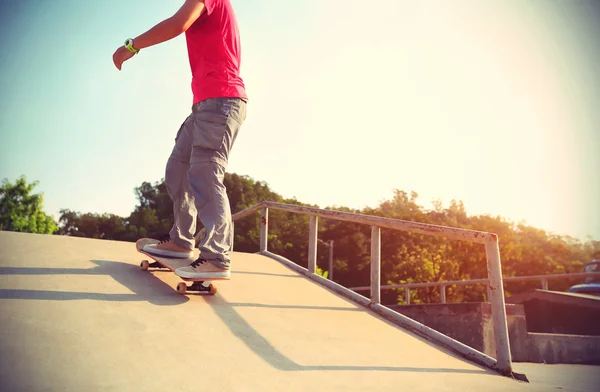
105, 226
243, 192
20, 210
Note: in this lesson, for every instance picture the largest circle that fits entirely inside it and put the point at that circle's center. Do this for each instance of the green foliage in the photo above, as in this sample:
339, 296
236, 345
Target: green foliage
152, 217
243, 192
21, 210
105, 226
322, 273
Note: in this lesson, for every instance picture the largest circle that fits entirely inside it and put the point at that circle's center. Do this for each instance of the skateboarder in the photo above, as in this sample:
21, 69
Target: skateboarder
196, 168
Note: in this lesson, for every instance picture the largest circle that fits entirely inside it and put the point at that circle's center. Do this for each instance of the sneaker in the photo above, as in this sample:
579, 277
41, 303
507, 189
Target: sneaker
203, 269
168, 248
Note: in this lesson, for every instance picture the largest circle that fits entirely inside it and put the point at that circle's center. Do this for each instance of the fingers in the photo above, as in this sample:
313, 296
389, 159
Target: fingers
120, 56
117, 60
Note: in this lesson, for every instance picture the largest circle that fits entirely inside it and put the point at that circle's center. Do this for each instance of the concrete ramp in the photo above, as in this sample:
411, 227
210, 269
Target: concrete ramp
79, 314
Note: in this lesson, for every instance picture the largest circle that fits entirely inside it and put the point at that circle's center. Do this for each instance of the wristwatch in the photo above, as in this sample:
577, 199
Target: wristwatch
129, 46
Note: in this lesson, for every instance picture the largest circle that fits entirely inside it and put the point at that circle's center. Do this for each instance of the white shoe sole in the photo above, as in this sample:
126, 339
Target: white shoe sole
152, 249
203, 275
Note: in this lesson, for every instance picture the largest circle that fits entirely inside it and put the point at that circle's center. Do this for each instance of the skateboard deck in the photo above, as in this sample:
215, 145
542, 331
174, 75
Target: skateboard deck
200, 285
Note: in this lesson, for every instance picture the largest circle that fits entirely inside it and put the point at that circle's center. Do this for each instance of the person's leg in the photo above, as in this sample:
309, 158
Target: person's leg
206, 180
181, 242
217, 123
176, 181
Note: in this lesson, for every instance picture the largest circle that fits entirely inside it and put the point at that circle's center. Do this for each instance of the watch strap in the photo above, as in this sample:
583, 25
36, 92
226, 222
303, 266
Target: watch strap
129, 46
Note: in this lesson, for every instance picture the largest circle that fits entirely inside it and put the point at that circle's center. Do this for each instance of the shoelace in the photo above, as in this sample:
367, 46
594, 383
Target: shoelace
163, 241
197, 263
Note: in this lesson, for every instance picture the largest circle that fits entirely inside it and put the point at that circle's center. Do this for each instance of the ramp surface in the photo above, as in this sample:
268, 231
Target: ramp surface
79, 314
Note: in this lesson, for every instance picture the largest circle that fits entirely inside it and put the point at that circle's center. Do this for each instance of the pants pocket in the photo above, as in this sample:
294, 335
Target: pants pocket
179, 131
209, 130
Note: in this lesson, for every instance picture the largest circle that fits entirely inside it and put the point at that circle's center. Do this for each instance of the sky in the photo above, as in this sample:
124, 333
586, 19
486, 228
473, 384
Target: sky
494, 103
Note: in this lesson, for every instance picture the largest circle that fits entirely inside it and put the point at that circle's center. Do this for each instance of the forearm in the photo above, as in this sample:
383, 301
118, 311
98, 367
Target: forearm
162, 32
172, 27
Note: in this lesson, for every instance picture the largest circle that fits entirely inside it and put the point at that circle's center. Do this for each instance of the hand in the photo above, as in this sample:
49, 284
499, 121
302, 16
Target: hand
121, 55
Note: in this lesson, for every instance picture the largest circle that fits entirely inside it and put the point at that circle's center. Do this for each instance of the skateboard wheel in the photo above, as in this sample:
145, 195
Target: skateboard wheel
213, 289
181, 288
144, 265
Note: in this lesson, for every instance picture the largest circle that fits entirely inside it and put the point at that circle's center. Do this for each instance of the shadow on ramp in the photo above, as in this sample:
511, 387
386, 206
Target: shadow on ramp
265, 350
266, 306
144, 285
291, 275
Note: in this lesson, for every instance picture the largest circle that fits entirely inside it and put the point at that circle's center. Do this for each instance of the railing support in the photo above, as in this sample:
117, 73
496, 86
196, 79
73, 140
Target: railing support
498, 307
232, 236
330, 259
407, 296
544, 284
312, 244
443, 294
264, 228
375, 264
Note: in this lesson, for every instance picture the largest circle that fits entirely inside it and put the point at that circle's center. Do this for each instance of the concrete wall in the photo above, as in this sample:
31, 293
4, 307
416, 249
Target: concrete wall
560, 313
471, 324
555, 348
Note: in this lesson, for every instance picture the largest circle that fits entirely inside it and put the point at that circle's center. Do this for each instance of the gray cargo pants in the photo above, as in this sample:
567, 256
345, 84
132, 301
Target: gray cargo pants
194, 177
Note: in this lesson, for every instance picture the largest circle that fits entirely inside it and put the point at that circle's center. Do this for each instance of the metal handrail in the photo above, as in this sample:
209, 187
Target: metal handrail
502, 363
481, 237
443, 284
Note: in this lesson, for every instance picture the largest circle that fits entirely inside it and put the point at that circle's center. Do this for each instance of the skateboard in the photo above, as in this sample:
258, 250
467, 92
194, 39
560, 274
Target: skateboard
200, 285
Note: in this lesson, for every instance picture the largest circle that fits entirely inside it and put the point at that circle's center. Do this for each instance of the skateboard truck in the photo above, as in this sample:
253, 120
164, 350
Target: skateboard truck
198, 285
145, 264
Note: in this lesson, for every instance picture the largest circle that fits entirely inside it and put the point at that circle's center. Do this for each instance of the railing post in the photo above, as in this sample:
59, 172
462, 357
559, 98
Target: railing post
330, 259
375, 264
232, 236
264, 228
496, 289
312, 244
443, 293
544, 284
407, 295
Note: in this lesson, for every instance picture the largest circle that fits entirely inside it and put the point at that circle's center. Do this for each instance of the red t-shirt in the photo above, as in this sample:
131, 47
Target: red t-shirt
214, 49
